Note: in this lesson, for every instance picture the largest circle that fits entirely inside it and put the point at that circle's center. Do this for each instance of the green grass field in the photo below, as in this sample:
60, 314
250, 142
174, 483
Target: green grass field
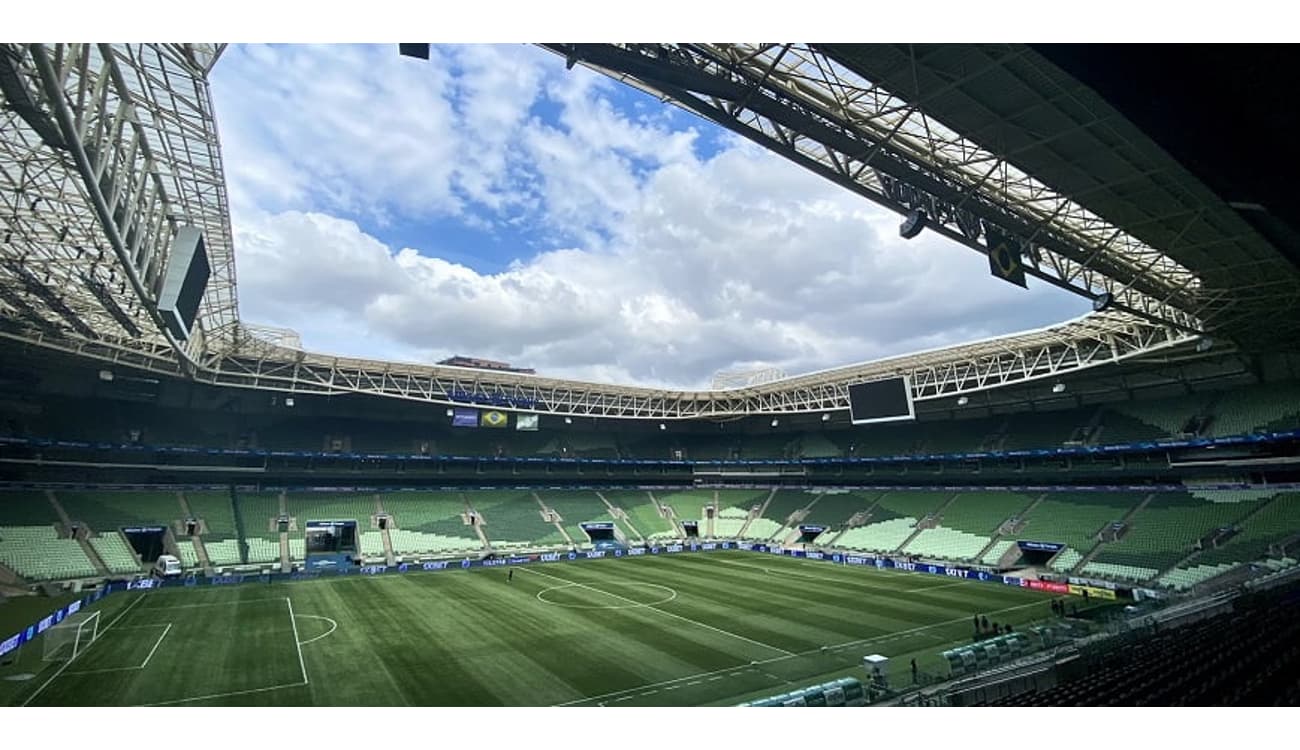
703, 629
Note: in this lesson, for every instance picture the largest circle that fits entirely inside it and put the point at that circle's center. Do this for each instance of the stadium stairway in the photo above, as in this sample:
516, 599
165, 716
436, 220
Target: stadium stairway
620, 518
754, 516
668, 513
64, 518
284, 551
92, 554
558, 520
919, 528
1100, 545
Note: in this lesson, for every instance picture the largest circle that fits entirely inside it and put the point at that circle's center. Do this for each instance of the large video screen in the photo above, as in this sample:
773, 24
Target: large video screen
881, 401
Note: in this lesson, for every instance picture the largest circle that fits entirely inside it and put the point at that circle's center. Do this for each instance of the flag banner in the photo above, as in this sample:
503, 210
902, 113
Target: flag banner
494, 419
464, 418
1004, 257
527, 422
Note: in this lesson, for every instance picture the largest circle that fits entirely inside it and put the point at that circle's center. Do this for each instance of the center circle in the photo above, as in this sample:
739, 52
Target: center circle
618, 599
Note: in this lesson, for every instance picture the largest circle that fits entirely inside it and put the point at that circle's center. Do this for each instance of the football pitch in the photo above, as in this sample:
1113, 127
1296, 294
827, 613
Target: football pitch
698, 629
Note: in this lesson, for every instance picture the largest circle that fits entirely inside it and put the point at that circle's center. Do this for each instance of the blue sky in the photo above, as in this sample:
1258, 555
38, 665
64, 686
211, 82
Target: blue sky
490, 202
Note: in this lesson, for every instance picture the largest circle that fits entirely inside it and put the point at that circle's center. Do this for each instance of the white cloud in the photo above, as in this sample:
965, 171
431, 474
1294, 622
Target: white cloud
668, 266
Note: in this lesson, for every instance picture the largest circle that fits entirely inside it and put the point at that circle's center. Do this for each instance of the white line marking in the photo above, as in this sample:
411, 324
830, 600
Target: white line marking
224, 695
846, 644
692, 683
166, 626
68, 663
296, 643
156, 645
665, 612
333, 626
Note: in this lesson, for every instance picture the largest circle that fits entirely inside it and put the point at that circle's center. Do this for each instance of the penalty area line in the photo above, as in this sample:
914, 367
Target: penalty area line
68, 663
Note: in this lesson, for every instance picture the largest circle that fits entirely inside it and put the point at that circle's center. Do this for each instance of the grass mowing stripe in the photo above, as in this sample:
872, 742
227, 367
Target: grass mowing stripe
669, 614
68, 663
774, 660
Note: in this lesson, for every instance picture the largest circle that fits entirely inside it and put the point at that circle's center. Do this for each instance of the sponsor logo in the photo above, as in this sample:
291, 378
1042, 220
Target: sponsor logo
145, 583
435, 565
814, 555
707, 546
494, 563
855, 560
45, 624
74, 608
904, 565
11, 643
594, 554
673, 548
465, 563
373, 570
550, 557
744, 545
636, 551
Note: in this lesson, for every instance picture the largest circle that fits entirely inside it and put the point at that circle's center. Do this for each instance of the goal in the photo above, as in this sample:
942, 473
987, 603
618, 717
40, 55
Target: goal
72, 636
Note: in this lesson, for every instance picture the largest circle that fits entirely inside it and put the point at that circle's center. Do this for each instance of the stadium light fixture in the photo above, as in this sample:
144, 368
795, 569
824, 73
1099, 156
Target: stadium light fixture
288, 401
826, 417
1058, 388
1102, 301
106, 376
451, 412
775, 422
912, 224
1204, 345
568, 420
963, 400
663, 426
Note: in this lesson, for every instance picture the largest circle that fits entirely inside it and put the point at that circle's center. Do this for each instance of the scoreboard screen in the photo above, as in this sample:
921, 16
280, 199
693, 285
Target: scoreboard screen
881, 401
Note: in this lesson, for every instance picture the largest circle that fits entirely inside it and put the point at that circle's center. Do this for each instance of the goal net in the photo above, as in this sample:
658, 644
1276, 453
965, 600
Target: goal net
72, 636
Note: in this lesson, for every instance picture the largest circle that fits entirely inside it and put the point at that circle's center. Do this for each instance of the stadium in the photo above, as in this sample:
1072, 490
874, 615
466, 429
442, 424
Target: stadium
197, 510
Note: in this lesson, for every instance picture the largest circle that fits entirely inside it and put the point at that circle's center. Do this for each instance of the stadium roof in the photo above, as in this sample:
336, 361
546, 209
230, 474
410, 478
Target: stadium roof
106, 150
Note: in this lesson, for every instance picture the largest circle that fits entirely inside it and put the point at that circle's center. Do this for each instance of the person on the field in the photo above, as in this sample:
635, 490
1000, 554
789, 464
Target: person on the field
510, 575
913, 670
984, 622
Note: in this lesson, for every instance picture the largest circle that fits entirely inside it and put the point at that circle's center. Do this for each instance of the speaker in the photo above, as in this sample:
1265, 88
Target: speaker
912, 224
185, 281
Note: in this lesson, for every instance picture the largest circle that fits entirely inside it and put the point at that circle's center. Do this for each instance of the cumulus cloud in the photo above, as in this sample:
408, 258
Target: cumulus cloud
657, 264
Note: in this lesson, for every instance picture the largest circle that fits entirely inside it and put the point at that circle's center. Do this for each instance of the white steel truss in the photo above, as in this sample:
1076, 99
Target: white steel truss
106, 149
801, 103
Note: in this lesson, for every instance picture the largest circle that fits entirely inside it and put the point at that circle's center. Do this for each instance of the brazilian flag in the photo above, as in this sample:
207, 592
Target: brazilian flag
493, 419
1004, 257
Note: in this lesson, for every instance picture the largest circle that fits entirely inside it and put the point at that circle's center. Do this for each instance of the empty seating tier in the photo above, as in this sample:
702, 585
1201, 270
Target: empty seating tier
26, 509
513, 516
1167, 529
325, 506
576, 508
37, 553
113, 509
1275, 522
214, 508
834, 509
946, 543
1074, 518
983, 512
261, 510
642, 513
117, 555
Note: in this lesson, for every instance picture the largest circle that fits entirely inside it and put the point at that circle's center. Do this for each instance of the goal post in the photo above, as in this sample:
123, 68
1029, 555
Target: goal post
69, 638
